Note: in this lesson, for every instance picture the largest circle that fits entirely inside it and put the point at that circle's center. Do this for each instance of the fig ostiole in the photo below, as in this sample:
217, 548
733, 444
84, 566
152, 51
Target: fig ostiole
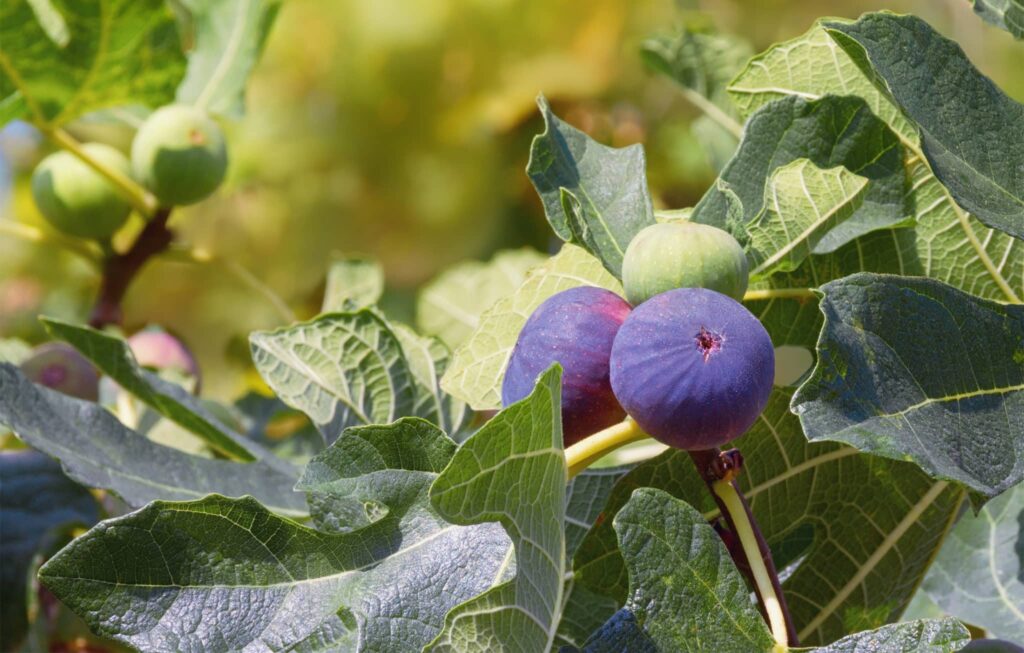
60, 367
180, 155
672, 255
692, 367
78, 200
575, 328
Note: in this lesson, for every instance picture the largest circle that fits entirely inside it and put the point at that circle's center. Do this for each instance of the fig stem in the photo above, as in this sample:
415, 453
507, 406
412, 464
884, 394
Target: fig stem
141, 199
764, 580
587, 451
779, 293
712, 111
119, 270
82, 248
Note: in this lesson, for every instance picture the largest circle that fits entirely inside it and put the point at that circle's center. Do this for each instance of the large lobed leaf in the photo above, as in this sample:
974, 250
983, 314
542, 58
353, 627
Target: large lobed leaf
830, 132
945, 243
513, 471
1005, 14
226, 574
685, 592
341, 369
923, 636
227, 40
98, 451
450, 306
913, 369
478, 367
852, 533
979, 573
594, 195
116, 52
970, 130
352, 284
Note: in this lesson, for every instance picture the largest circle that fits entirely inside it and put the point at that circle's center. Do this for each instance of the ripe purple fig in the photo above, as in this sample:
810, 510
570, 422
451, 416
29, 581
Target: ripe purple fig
693, 367
576, 328
157, 349
59, 366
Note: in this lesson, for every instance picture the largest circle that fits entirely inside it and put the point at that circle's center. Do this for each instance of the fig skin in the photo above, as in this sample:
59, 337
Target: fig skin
159, 350
60, 367
76, 199
576, 328
180, 155
672, 255
693, 368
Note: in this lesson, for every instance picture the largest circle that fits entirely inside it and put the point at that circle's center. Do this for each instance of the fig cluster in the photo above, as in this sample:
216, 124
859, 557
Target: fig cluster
683, 358
178, 153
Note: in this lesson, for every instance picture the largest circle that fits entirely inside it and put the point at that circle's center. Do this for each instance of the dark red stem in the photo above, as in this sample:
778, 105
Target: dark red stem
714, 465
119, 270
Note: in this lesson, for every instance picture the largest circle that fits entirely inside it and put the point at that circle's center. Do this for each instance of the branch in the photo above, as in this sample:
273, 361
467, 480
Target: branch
120, 270
718, 470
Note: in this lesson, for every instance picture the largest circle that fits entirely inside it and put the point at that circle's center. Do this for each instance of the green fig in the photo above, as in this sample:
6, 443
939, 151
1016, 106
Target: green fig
180, 155
76, 199
672, 255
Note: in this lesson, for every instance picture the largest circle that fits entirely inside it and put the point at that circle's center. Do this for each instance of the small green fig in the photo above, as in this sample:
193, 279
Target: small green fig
672, 255
180, 155
76, 199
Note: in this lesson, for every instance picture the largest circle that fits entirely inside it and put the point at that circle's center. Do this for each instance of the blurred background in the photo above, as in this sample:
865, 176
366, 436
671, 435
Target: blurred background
400, 130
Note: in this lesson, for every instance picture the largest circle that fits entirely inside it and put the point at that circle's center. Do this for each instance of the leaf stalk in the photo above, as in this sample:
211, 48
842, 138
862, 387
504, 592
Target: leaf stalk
587, 451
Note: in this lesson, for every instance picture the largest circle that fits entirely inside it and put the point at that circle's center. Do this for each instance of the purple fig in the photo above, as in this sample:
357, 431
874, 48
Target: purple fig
59, 366
159, 350
576, 328
693, 367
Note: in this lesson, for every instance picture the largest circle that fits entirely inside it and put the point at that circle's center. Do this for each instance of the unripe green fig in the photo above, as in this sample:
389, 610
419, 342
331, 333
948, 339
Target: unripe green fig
76, 199
180, 155
672, 255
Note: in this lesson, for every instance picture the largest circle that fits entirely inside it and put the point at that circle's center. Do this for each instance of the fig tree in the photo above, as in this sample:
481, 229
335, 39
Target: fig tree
179, 153
159, 350
59, 366
692, 367
75, 198
576, 328
672, 255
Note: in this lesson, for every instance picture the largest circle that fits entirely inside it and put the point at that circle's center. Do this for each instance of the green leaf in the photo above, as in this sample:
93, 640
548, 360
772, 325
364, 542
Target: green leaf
428, 358
946, 243
118, 52
113, 357
1004, 14
98, 451
925, 636
352, 284
913, 369
479, 364
970, 130
38, 506
684, 590
228, 36
341, 369
702, 62
852, 533
802, 203
594, 196
831, 132
979, 572
300, 589
512, 470
450, 306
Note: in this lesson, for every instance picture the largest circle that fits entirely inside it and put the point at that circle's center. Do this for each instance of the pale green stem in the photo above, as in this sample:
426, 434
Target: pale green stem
587, 451
779, 293
748, 541
36, 235
140, 198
